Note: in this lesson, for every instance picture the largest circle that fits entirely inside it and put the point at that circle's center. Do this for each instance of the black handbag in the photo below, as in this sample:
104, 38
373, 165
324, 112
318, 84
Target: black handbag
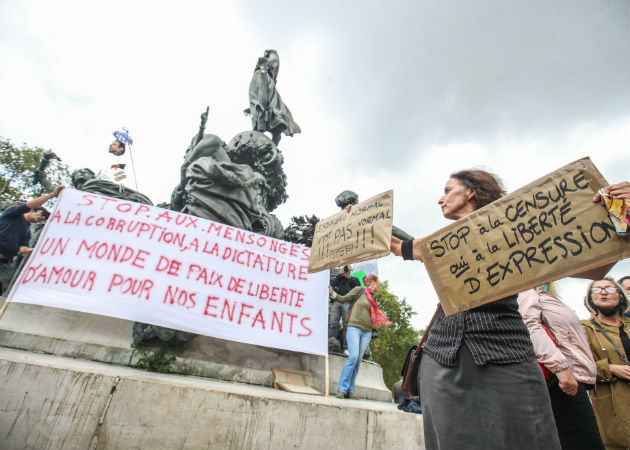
410, 369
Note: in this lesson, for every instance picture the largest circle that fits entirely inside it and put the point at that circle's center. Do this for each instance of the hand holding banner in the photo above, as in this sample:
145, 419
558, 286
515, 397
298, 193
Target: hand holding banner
544, 231
123, 259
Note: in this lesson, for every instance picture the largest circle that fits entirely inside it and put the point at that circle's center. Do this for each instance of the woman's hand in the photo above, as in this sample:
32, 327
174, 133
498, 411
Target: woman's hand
620, 371
567, 382
348, 208
330, 291
616, 190
395, 246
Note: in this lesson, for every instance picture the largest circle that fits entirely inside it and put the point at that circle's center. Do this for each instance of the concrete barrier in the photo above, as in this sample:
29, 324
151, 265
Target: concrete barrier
53, 402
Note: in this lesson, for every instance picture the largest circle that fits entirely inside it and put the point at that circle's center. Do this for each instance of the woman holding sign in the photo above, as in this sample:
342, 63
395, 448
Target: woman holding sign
480, 384
608, 334
364, 315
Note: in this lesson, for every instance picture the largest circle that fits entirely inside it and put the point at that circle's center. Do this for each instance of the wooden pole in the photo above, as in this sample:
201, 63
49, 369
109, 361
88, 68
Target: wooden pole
327, 378
4, 308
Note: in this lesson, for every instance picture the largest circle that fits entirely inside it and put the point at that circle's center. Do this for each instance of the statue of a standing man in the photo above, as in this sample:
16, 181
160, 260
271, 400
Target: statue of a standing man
267, 110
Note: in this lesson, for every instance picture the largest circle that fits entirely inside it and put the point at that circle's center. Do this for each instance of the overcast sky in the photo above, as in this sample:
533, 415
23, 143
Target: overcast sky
389, 95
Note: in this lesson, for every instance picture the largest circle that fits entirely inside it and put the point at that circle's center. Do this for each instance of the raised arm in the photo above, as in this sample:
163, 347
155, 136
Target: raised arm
39, 201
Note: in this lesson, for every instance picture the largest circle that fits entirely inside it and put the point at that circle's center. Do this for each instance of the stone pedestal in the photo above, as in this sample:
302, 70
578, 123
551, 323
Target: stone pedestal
54, 402
106, 339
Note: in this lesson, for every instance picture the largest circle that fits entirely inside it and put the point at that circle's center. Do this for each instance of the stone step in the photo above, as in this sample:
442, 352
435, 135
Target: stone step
52, 402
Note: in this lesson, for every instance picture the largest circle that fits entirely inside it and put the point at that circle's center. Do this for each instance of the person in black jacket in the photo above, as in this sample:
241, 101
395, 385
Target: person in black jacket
15, 227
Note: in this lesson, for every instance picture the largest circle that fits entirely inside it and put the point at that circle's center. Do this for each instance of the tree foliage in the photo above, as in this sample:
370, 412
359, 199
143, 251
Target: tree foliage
301, 230
393, 342
17, 171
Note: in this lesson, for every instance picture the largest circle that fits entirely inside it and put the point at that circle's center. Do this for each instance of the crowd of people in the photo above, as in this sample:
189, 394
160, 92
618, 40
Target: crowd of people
519, 372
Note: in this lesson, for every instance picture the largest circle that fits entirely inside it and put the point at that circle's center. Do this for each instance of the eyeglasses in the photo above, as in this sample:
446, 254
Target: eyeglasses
609, 289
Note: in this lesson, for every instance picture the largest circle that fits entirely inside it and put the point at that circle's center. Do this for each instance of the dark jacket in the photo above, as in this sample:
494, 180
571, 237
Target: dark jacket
342, 285
14, 230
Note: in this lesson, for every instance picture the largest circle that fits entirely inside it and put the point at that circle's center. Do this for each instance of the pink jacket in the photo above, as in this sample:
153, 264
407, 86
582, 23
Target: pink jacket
573, 351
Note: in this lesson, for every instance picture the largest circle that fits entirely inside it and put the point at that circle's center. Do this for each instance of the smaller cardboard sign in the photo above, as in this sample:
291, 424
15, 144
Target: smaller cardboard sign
362, 234
547, 230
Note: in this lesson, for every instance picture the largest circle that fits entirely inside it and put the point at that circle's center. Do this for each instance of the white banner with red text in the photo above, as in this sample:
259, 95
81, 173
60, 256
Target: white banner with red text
123, 259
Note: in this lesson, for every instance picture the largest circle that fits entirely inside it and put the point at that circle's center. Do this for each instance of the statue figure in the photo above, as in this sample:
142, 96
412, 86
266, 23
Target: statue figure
178, 195
218, 189
346, 198
85, 180
237, 184
40, 174
266, 108
224, 183
261, 154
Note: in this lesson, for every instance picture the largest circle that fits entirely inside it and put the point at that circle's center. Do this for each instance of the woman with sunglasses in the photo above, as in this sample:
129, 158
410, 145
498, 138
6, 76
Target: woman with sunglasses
608, 334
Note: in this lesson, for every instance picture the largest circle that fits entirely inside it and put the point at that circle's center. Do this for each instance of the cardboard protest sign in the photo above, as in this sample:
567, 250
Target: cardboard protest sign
544, 231
123, 259
362, 234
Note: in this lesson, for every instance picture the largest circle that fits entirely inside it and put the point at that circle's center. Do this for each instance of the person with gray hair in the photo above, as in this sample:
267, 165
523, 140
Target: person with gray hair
608, 335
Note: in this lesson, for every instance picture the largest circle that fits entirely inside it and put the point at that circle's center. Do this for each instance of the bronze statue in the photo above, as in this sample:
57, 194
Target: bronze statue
266, 108
85, 180
237, 184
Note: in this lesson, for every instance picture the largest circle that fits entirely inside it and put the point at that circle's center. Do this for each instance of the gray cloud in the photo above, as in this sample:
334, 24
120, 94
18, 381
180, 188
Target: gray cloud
403, 75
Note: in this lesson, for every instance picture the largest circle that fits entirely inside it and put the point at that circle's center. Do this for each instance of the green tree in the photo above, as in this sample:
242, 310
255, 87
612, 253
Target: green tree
301, 230
394, 341
17, 171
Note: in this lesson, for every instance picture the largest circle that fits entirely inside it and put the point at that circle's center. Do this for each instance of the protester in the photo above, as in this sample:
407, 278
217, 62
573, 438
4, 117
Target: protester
15, 226
568, 357
608, 335
624, 282
480, 384
117, 148
364, 315
341, 284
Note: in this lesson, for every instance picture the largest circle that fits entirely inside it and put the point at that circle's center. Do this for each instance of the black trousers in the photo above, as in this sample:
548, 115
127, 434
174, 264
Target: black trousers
575, 419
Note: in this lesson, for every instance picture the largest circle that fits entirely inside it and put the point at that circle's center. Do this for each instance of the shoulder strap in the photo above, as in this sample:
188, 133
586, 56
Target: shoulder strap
426, 333
599, 327
353, 302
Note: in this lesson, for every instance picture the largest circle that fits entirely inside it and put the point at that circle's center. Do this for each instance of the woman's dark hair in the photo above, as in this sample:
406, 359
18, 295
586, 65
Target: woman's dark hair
622, 279
486, 186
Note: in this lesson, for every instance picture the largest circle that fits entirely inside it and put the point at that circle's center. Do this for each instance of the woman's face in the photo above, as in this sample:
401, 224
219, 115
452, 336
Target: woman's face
374, 285
605, 299
457, 200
